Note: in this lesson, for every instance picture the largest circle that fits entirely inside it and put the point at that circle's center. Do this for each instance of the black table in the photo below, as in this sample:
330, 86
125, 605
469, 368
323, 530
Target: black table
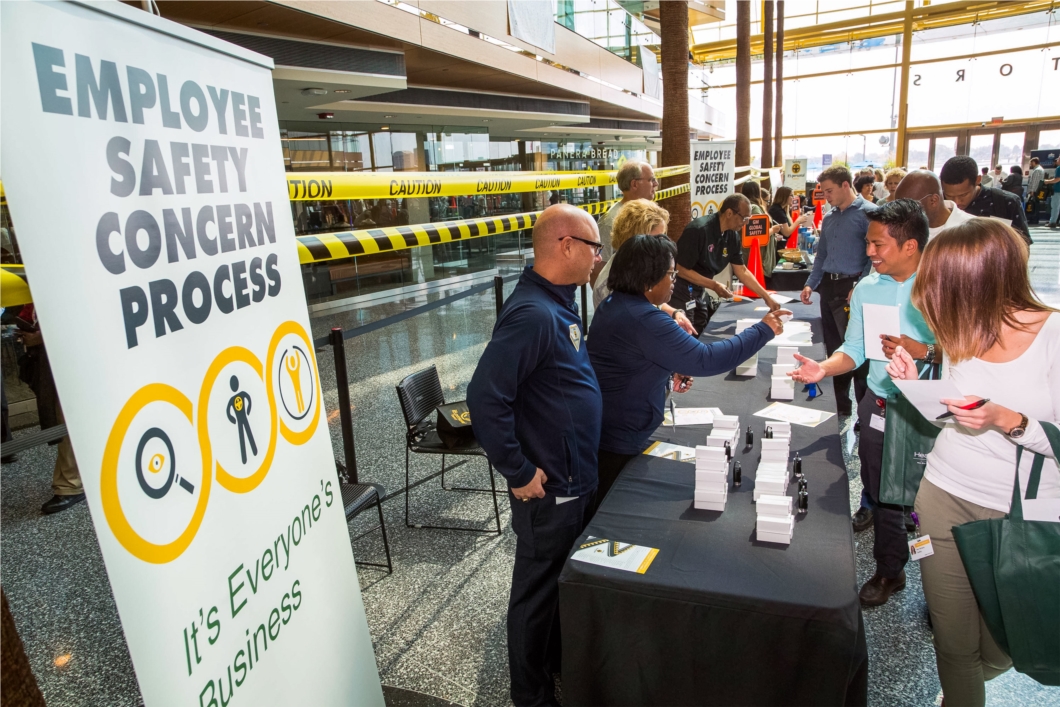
788, 280
720, 618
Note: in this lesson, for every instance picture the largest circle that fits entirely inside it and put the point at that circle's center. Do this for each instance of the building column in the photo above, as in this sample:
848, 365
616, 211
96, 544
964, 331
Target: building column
901, 150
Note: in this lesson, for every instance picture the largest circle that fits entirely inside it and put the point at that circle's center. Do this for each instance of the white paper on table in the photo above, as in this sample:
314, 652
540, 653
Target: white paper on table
618, 555
794, 414
925, 395
781, 299
671, 451
879, 319
692, 416
795, 333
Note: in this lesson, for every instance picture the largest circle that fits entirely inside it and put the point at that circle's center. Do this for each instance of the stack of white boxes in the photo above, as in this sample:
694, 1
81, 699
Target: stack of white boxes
783, 387
775, 522
712, 478
748, 368
726, 430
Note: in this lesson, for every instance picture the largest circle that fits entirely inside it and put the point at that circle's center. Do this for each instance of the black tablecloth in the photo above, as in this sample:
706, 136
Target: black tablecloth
720, 618
787, 280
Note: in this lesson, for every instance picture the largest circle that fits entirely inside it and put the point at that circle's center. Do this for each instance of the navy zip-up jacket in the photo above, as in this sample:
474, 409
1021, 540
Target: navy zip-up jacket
635, 348
534, 399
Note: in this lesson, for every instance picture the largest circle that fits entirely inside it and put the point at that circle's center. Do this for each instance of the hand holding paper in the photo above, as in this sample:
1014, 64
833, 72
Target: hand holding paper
902, 366
988, 415
880, 320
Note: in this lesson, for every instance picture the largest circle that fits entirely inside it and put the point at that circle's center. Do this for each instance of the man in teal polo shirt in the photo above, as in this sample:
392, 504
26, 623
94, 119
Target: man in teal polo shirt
897, 234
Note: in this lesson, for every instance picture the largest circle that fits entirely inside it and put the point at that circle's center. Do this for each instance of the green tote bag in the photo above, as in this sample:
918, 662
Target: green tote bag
907, 439
1013, 566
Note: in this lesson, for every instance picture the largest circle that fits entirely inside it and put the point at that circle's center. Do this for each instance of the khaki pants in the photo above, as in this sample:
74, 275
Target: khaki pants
66, 479
965, 653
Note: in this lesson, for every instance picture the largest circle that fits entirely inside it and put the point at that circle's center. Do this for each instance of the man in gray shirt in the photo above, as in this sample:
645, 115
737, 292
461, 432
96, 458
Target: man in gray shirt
636, 180
1034, 183
841, 261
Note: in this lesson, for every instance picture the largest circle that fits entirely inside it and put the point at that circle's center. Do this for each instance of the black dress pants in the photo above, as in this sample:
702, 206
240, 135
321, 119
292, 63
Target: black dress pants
835, 315
545, 533
890, 548
702, 308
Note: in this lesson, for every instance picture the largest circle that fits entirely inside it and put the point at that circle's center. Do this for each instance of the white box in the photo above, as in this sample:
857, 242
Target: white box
782, 369
709, 505
772, 469
786, 355
782, 394
708, 453
711, 477
726, 422
776, 444
781, 526
774, 456
719, 441
779, 538
748, 369
742, 324
711, 496
778, 426
721, 466
774, 506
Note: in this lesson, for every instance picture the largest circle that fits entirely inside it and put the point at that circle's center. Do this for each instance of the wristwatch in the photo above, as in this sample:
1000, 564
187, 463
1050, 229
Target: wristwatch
673, 314
929, 357
1020, 429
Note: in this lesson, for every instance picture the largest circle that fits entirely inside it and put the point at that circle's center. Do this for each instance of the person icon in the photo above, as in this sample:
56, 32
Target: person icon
293, 365
240, 405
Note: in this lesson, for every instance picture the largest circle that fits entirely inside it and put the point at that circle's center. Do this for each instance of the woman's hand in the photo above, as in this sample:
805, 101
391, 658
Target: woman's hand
990, 415
902, 366
682, 384
685, 323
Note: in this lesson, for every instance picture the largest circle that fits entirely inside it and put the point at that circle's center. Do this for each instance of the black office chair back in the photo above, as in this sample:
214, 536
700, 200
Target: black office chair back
419, 395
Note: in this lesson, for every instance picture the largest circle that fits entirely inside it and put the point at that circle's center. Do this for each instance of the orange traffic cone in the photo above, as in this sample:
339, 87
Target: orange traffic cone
817, 215
793, 240
755, 267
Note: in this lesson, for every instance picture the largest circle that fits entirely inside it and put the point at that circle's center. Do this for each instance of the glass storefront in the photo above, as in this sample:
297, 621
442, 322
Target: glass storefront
416, 148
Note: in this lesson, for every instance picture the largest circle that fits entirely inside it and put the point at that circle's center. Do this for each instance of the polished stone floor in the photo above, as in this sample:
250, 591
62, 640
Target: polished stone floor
438, 622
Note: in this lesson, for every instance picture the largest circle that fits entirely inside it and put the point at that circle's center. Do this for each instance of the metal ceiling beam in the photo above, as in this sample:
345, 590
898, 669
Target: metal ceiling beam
871, 27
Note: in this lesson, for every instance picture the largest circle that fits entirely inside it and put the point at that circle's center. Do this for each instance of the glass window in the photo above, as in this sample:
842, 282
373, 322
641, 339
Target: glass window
1049, 139
945, 148
981, 149
382, 155
1010, 150
917, 154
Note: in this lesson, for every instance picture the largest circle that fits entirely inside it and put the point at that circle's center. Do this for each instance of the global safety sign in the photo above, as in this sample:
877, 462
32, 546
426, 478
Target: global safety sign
166, 278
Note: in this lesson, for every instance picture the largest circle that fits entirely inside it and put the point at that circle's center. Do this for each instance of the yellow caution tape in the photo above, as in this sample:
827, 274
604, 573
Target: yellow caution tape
324, 186
14, 290
332, 246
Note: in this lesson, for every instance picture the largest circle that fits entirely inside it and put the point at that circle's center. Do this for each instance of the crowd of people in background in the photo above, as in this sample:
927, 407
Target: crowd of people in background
927, 243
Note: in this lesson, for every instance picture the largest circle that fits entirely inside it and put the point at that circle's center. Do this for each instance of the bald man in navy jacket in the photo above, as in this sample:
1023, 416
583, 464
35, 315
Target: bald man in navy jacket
536, 408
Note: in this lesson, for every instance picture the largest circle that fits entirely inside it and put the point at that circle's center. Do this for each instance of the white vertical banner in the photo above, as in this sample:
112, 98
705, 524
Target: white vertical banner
795, 174
142, 166
712, 175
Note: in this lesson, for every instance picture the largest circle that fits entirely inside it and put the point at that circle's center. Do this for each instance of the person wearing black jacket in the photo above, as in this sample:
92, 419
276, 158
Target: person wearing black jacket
635, 348
1013, 183
961, 184
535, 406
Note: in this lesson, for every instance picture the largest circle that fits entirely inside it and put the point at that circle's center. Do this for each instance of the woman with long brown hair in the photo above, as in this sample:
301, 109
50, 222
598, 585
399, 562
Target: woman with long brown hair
1002, 344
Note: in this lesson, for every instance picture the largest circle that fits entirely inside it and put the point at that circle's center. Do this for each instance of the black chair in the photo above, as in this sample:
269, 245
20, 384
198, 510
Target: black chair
419, 395
357, 498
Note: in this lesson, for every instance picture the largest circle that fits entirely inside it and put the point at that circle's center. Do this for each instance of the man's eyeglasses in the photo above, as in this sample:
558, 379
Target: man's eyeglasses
597, 246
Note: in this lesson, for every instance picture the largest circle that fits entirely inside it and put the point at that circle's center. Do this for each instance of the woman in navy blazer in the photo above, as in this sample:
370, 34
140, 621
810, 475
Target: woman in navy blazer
635, 349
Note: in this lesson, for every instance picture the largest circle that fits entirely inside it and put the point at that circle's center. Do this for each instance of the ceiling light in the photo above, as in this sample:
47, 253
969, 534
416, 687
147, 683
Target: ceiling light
384, 127
388, 116
325, 116
343, 90
314, 91
485, 120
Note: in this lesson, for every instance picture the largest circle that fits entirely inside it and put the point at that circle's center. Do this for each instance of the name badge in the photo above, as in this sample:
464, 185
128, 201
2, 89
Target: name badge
877, 422
690, 305
920, 547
